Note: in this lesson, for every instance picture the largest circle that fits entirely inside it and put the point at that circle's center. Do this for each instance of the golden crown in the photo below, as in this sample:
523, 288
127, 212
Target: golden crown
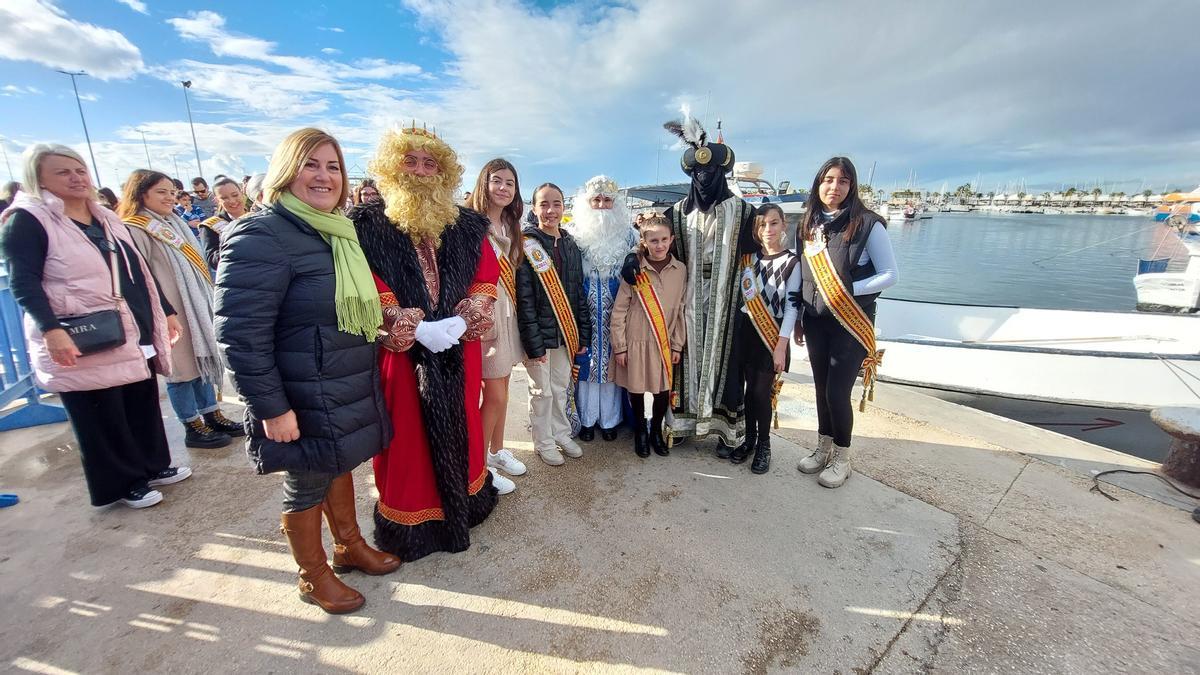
601, 185
423, 131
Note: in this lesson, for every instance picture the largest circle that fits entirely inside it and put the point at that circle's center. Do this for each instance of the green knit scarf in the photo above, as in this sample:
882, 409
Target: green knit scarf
356, 297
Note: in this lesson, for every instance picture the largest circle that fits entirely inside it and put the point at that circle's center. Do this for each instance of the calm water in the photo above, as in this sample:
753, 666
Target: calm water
1026, 260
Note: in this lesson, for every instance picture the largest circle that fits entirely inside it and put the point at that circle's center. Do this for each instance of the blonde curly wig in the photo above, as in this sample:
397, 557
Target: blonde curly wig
421, 206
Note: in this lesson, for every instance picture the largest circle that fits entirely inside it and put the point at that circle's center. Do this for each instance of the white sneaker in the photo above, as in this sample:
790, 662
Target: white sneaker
170, 476
140, 498
570, 448
505, 462
503, 485
838, 471
819, 457
551, 456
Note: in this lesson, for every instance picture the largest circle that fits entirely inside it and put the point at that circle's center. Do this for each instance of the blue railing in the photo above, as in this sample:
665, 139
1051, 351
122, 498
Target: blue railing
16, 372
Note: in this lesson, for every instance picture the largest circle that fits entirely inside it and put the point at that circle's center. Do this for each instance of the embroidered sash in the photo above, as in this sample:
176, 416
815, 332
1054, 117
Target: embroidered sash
658, 322
756, 307
215, 223
548, 276
170, 238
508, 276
847, 311
543, 267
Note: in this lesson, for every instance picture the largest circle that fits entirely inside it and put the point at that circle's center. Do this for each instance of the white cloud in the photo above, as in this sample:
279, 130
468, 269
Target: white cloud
39, 31
333, 29
89, 97
796, 83
209, 28
135, 5
331, 51
13, 90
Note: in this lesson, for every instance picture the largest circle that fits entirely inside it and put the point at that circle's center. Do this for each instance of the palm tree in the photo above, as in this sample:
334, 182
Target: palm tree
1147, 193
1096, 192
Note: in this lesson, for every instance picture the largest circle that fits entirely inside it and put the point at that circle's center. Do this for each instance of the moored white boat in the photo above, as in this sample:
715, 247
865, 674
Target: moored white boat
1104, 359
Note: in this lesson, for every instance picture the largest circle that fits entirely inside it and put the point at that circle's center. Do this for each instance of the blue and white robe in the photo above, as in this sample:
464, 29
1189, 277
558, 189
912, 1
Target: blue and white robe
597, 398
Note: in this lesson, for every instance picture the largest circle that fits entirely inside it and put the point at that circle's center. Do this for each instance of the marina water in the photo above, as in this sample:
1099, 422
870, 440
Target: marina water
1044, 261
1027, 260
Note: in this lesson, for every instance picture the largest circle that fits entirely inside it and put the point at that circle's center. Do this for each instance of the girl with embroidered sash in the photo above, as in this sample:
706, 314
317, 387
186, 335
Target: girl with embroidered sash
554, 324
847, 260
648, 333
232, 206
175, 258
497, 195
763, 328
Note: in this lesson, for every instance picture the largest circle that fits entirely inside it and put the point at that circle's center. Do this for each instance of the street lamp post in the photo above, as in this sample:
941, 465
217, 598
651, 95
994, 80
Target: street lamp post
146, 148
187, 84
86, 137
176, 160
5, 151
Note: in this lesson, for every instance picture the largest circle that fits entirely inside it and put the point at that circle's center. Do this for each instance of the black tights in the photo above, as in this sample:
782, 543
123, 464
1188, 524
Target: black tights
759, 386
658, 410
836, 358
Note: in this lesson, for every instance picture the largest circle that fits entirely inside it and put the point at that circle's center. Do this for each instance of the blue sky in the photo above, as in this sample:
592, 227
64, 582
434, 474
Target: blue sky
1046, 93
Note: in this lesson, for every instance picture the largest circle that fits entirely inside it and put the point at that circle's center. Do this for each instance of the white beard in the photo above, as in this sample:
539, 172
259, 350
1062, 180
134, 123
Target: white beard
603, 235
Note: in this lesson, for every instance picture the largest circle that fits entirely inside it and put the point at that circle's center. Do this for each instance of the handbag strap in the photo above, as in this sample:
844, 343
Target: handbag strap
112, 264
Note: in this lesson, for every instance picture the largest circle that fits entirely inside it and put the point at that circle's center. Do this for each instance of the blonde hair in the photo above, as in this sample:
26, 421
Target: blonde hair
289, 158
33, 157
428, 215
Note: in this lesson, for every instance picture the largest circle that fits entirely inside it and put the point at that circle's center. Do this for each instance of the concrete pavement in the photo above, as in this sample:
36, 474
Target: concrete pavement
948, 551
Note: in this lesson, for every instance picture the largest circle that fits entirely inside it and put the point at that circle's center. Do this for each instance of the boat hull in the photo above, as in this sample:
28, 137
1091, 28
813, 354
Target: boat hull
1102, 359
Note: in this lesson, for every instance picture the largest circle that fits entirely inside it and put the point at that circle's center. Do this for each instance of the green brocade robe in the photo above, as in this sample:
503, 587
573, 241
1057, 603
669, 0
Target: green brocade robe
708, 380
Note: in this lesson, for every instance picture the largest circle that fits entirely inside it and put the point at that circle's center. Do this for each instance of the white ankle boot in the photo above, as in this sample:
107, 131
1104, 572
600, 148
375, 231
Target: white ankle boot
838, 470
819, 457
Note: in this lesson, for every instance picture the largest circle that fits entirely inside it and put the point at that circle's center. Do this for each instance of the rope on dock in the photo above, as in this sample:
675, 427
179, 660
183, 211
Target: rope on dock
1037, 262
1096, 483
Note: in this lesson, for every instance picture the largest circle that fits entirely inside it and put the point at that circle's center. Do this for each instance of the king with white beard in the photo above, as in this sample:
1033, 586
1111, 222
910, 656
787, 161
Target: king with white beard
603, 228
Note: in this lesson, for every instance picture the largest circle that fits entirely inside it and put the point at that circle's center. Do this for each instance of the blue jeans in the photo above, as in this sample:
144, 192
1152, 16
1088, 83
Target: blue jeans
192, 399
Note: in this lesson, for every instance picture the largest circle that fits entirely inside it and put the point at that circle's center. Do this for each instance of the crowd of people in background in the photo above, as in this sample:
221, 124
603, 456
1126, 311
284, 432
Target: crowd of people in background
384, 321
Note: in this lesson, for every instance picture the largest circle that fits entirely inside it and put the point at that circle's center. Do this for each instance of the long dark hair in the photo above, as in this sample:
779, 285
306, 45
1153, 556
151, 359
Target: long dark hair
133, 197
480, 202
857, 210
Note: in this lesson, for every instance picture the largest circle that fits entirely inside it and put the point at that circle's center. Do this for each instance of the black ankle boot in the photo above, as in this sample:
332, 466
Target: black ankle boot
762, 456
657, 442
222, 424
724, 450
743, 451
586, 434
641, 440
200, 435
609, 434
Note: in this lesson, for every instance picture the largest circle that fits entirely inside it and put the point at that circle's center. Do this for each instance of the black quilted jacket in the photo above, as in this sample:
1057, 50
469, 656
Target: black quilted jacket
535, 317
278, 329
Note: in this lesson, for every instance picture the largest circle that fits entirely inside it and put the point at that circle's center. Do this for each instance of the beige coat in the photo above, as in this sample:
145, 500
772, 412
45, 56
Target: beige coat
183, 357
633, 335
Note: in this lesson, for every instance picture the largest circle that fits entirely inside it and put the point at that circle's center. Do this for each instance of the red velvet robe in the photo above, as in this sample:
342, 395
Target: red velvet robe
404, 471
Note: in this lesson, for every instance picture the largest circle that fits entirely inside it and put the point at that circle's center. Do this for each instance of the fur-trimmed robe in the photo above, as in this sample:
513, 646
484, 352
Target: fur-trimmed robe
439, 377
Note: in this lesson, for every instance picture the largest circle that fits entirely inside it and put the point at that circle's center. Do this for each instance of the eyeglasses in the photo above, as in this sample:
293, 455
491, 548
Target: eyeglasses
429, 163
201, 191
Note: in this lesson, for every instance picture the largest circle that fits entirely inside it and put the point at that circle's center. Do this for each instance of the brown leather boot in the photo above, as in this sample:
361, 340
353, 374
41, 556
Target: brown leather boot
350, 551
318, 584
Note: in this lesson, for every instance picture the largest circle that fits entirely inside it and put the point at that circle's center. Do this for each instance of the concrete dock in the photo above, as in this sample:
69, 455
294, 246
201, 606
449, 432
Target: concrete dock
964, 543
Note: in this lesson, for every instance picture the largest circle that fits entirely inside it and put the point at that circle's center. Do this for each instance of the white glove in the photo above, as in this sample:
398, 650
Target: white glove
455, 327
434, 337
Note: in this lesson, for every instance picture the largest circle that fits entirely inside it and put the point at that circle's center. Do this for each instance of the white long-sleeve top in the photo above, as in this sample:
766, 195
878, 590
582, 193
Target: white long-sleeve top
879, 251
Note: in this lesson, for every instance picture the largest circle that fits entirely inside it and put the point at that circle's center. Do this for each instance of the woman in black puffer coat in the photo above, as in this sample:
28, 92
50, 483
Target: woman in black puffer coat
315, 409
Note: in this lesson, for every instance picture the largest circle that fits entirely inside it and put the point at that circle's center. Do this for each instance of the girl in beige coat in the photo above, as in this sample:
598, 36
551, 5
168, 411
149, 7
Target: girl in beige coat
640, 366
175, 259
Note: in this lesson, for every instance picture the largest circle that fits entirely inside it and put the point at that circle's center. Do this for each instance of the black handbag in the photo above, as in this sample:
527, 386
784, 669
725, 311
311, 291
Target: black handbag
103, 330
